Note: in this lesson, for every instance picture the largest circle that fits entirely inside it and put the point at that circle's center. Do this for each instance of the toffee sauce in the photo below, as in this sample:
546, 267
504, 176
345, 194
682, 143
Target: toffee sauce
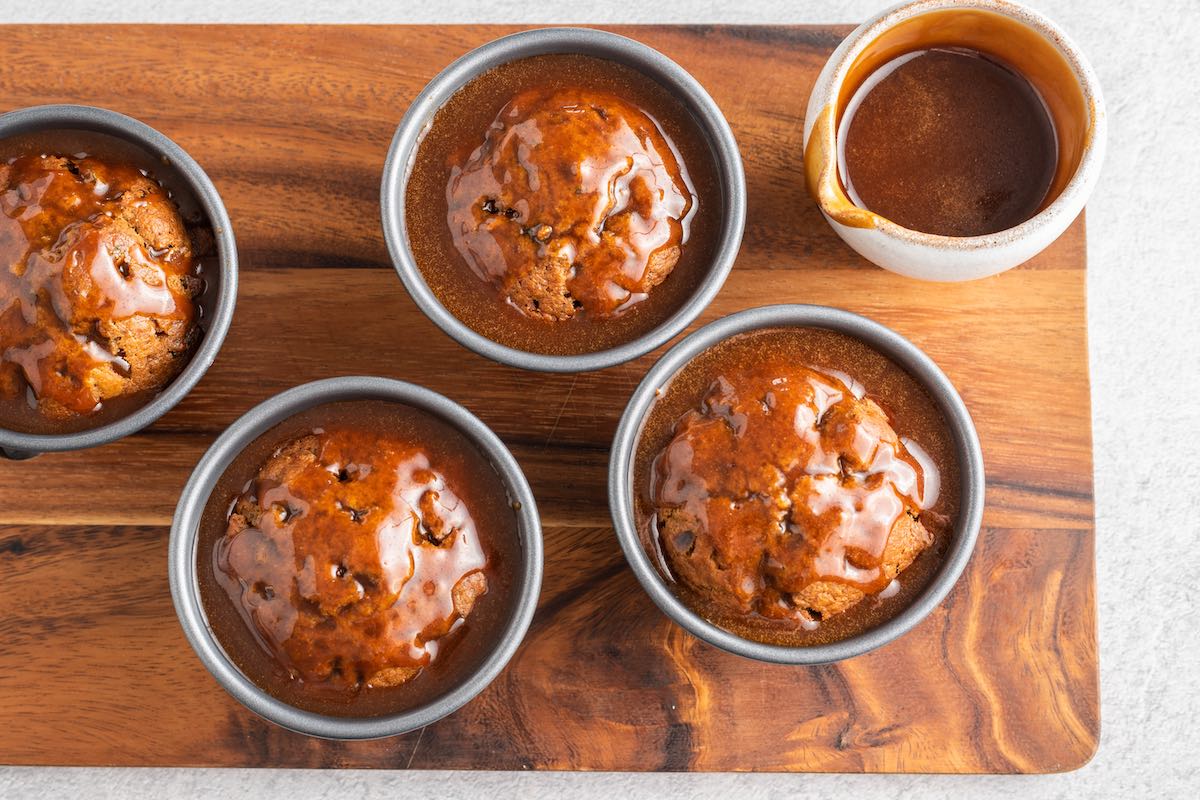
948, 141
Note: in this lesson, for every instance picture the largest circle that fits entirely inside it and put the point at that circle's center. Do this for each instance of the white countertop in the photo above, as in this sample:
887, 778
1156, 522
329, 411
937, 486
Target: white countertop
1144, 328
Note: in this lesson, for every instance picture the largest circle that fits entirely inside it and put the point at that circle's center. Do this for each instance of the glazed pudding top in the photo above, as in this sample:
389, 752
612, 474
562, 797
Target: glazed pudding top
785, 494
351, 556
575, 203
97, 283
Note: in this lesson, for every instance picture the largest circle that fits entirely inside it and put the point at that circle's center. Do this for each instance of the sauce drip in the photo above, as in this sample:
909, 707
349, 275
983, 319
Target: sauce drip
783, 485
78, 261
351, 557
576, 202
948, 142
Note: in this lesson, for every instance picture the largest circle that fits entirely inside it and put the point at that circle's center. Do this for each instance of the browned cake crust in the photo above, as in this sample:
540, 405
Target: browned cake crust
97, 283
575, 203
351, 558
786, 496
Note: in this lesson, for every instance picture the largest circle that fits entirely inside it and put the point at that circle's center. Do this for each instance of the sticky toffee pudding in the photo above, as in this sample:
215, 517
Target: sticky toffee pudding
100, 282
795, 486
562, 204
352, 560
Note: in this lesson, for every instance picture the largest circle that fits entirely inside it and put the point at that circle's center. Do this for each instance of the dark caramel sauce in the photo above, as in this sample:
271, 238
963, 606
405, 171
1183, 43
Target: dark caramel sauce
570, 180
948, 141
763, 440
341, 599
58, 272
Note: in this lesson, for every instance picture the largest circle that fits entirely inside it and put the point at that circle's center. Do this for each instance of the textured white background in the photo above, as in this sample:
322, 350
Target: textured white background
1144, 299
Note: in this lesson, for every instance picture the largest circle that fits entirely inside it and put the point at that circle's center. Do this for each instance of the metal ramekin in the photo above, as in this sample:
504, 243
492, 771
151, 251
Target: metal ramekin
899, 350
683, 87
222, 281
185, 589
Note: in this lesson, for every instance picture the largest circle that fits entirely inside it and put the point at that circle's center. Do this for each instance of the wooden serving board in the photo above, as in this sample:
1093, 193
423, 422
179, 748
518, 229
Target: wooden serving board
292, 123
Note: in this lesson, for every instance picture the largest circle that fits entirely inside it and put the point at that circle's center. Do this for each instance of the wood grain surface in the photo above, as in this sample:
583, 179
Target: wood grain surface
292, 124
